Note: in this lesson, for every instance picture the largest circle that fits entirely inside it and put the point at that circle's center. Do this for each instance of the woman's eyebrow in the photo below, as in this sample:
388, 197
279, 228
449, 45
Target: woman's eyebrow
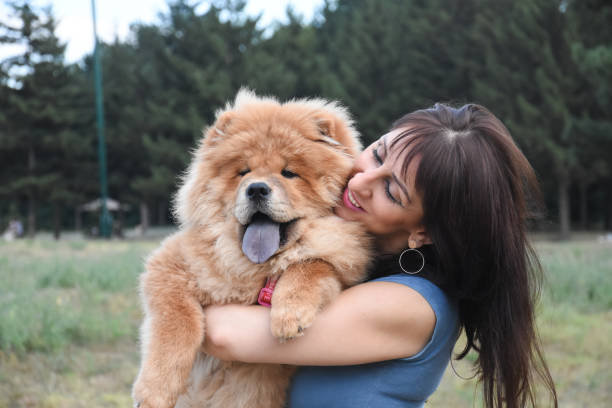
395, 178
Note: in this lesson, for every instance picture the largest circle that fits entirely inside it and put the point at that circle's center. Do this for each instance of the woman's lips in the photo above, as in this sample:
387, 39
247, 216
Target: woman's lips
350, 201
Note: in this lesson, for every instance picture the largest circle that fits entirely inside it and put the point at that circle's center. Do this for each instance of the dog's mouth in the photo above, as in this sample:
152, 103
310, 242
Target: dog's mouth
263, 236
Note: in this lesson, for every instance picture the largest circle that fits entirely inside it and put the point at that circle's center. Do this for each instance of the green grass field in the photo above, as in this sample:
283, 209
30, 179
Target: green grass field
69, 315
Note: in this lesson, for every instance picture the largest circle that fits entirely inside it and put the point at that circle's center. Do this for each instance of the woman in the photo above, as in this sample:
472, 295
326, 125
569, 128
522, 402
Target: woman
452, 185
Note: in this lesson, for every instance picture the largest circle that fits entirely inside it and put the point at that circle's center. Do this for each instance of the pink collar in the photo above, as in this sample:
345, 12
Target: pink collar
265, 294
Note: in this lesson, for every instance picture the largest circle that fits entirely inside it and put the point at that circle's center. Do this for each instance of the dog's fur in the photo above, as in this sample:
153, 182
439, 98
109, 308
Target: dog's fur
303, 150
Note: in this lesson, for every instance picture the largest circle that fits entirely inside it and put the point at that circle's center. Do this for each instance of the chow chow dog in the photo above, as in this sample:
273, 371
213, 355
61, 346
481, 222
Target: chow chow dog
256, 203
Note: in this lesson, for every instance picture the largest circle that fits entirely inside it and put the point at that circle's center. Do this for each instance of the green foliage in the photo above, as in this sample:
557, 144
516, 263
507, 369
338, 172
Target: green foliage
69, 315
542, 66
41, 139
576, 275
592, 53
54, 295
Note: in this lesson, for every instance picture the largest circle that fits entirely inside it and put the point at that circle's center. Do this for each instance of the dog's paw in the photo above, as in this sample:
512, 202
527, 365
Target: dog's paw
151, 402
148, 396
290, 320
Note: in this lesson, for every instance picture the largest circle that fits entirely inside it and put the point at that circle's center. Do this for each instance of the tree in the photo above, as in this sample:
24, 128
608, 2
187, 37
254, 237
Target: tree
41, 101
389, 58
126, 97
290, 63
7, 146
189, 66
592, 54
527, 76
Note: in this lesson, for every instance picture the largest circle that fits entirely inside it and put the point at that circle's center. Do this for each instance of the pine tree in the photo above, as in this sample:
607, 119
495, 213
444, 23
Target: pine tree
526, 77
288, 64
390, 58
40, 97
592, 53
190, 66
126, 97
7, 148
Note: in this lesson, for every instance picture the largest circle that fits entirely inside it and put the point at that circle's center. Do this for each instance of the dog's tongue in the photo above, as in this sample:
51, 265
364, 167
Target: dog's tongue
261, 239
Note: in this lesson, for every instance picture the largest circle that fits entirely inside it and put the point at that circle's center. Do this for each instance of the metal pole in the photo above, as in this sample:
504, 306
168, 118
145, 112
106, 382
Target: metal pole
105, 217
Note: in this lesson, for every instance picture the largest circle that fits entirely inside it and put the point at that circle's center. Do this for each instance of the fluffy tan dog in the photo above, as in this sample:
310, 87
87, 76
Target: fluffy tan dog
256, 203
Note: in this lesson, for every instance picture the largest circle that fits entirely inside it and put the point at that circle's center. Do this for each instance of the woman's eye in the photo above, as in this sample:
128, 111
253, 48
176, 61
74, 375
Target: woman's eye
379, 160
376, 156
288, 174
243, 172
388, 192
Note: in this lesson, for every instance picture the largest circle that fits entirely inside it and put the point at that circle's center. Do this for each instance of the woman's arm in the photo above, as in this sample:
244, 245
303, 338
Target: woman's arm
370, 322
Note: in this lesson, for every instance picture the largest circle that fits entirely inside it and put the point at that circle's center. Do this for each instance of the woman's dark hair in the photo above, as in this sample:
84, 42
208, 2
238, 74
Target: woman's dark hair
475, 186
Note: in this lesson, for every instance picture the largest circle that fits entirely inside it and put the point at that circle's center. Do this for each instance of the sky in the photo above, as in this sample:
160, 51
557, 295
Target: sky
114, 17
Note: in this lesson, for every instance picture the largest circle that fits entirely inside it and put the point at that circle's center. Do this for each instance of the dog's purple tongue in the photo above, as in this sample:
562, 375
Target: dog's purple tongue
261, 239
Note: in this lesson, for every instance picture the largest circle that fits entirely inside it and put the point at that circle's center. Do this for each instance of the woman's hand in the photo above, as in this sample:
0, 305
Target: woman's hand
373, 321
213, 343
225, 324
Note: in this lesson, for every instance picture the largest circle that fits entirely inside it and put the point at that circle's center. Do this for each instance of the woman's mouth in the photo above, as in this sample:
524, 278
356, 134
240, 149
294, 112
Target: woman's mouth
350, 201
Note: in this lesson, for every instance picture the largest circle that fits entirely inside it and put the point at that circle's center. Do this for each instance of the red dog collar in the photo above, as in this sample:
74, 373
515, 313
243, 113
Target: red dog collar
265, 294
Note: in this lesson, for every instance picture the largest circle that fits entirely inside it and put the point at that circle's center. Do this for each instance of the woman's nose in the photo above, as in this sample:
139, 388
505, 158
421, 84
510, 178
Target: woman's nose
362, 181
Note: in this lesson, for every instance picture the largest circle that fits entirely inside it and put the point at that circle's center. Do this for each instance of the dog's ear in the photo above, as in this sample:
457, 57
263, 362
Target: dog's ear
222, 123
336, 129
327, 130
326, 126
219, 130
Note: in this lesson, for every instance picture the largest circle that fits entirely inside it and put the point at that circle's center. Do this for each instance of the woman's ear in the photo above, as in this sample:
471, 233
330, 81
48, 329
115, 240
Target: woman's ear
418, 238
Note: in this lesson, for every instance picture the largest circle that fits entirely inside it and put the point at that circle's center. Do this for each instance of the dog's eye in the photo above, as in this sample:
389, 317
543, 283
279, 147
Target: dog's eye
288, 174
243, 172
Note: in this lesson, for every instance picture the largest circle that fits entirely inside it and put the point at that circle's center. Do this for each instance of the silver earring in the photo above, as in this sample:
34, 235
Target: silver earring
422, 261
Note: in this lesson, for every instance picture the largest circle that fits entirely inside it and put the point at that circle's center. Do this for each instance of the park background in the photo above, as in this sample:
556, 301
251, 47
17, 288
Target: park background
69, 308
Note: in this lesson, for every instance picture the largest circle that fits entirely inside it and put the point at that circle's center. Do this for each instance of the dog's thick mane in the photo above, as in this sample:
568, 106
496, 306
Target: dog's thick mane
316, 253
185, 212
247, 97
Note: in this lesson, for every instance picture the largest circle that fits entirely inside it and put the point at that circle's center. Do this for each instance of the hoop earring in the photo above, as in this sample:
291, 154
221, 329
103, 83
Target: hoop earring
422, 261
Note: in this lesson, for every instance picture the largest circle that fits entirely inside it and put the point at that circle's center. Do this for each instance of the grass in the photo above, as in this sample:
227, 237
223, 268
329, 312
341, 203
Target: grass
56, 294
575, 325
578, 275
69, 314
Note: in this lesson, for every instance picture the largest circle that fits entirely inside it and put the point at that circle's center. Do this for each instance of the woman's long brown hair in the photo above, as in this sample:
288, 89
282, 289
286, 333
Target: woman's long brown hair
476, 186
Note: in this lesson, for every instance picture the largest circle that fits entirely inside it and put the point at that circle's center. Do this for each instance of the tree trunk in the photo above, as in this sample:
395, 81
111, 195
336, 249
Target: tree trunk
31, 194
31, 216
608, 211
161, 213
57, 221
564, 207
144, 217
120, 221
584, 214
77, 220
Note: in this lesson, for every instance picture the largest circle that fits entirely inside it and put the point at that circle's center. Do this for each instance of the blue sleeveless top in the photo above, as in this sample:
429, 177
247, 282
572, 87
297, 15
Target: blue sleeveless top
404, 382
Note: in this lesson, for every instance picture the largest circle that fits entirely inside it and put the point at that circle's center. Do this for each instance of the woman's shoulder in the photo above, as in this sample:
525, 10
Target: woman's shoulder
444, 307
429, 290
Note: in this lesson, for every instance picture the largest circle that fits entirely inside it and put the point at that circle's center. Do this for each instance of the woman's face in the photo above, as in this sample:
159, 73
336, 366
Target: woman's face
378, 197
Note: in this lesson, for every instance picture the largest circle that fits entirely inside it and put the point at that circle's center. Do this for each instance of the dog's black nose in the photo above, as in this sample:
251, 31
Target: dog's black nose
258, 191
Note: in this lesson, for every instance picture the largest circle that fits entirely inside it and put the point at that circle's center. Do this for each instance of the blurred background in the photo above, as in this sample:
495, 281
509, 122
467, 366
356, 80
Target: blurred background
69, 309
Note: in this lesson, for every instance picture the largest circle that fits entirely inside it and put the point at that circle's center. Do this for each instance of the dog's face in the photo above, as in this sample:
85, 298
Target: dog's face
263, 166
